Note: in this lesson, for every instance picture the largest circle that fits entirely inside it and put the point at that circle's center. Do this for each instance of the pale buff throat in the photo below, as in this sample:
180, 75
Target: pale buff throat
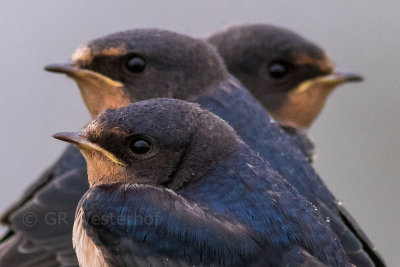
302, 107
101, 93
305, 102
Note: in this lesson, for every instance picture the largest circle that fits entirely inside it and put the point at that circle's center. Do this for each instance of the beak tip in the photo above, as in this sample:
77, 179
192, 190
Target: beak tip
356, 78
63, 136
350, 76
69, 137
58, 68
48, 68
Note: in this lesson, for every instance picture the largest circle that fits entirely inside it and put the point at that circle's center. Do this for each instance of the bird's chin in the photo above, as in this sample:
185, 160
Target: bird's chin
99, 97
102, 170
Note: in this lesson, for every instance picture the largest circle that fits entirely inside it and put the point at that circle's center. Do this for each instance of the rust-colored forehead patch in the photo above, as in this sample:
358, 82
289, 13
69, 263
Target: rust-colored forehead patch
85, 54
323, 63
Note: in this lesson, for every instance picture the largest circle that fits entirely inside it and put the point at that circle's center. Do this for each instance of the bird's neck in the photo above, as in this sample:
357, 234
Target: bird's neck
300, 110
97, 101
101, 170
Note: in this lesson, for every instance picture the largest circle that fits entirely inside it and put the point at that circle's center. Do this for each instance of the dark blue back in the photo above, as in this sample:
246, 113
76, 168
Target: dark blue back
235, 105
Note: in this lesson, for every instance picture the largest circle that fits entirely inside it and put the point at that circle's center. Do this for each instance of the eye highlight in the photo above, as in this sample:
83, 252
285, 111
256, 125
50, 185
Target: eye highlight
135, 64
278, 70
140, 146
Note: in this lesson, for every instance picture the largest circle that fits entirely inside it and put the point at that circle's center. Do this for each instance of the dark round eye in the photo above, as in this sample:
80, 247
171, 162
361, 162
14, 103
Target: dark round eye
135, 64
140, 146
277, 70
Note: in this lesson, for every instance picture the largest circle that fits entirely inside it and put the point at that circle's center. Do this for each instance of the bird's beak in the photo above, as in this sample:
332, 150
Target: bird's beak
75, 72
329, 81
81, 141
342, 77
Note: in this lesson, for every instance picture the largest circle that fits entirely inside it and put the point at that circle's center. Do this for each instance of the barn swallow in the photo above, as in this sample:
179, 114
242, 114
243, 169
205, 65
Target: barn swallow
148, 63
211, 199
289, 75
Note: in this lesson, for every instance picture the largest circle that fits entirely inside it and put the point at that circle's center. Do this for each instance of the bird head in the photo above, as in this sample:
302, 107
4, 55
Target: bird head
162, 142
291, 76
141, 64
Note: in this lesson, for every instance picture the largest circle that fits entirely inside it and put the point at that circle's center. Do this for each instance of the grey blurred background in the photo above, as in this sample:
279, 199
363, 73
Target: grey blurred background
357, 136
